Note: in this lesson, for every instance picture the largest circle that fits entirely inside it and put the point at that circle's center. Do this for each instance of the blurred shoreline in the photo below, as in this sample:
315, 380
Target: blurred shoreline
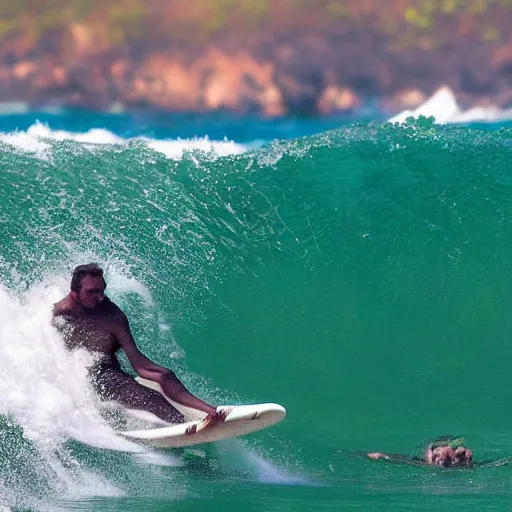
276, 59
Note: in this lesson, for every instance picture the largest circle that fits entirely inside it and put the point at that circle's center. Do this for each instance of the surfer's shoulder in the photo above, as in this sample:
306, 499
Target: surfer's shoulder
113, 310
64, 307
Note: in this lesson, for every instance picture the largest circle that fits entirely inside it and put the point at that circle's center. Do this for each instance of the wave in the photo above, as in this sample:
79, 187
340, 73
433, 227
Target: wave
364, 267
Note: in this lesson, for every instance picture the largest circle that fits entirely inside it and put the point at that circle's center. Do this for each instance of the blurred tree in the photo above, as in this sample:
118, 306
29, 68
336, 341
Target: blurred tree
200, 19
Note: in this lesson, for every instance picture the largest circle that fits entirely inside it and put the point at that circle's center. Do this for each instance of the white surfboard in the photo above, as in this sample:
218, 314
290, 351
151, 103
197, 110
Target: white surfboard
240, 420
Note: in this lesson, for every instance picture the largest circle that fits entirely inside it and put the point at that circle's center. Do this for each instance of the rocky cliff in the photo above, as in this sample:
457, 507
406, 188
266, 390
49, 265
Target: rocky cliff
305, 57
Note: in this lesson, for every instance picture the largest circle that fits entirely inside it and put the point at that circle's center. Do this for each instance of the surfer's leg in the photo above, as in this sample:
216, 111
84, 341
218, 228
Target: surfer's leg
113, 384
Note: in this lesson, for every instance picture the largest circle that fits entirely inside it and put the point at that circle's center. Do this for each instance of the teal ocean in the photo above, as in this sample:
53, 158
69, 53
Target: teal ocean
358, 274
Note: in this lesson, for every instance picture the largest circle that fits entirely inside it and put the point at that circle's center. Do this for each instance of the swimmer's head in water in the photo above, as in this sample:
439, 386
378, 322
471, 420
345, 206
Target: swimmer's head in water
88, 286
449, 452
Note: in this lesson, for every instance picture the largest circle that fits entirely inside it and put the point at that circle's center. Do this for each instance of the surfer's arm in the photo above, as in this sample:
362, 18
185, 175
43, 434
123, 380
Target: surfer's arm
147, 369
398, 457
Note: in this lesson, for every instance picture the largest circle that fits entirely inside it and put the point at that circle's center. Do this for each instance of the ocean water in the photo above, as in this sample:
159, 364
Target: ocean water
359, 274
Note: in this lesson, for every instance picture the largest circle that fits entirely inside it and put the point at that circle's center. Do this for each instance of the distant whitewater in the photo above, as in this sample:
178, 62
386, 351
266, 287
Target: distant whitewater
38, 136
443, 106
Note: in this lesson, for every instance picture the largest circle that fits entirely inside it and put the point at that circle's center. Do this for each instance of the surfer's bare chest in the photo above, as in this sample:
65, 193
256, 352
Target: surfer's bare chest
92, 332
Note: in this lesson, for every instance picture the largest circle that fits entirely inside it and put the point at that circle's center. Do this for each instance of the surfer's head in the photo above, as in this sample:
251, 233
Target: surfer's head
88, 286
449, 453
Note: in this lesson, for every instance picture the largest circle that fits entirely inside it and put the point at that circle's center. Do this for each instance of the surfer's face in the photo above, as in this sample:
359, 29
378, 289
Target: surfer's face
91, 293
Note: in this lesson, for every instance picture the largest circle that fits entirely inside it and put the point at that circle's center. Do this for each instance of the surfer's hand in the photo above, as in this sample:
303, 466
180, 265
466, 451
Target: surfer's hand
212, 419
219, 416
377, 455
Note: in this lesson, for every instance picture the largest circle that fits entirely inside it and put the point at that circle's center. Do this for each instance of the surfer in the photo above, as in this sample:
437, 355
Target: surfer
446, 452
88, 318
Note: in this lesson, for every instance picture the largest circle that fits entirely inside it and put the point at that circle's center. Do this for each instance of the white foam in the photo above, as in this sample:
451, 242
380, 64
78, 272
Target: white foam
119, 283
42, 385
25, 142
160, 459
443, 106
44, 390
490, 114
38, 136
93, 136
176, 148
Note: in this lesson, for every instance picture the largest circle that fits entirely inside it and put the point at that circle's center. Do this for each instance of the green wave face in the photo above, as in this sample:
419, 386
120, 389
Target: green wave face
360, 277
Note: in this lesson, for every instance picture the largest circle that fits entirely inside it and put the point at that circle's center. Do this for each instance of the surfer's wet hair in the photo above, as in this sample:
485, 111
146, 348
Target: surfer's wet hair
91, 269
450, 440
